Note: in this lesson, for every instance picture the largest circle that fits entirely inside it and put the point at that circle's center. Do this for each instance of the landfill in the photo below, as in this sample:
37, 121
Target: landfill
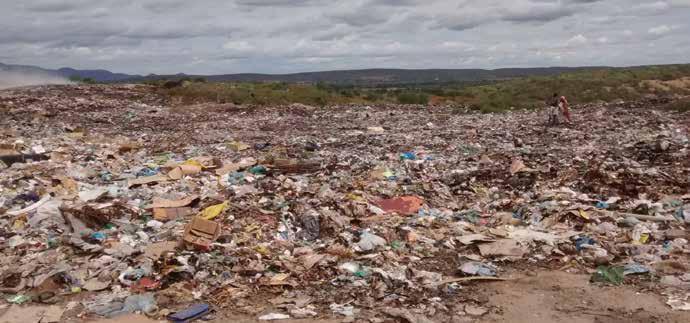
114, 200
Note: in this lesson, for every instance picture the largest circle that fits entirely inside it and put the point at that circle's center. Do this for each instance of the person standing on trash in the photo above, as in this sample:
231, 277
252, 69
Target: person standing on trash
552, 109
565, 108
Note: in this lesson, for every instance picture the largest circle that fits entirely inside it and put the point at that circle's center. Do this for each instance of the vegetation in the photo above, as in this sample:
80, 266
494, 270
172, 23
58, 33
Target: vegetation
256, 93
682, 105
606, 84
580, 87
412, 98
82, 80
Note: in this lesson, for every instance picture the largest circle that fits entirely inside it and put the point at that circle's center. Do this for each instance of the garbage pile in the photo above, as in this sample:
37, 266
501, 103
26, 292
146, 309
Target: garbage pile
113, 201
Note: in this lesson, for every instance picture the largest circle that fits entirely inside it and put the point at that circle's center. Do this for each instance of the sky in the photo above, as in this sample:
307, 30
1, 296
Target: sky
285, 36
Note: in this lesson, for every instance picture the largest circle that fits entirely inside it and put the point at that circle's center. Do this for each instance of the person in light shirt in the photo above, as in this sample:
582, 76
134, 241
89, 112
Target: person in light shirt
565, 108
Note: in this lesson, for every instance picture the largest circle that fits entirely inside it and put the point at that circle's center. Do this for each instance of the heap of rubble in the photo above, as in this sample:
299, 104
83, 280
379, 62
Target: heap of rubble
112, 201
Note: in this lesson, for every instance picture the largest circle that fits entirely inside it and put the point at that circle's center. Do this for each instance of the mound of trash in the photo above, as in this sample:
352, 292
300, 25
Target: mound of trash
113, 201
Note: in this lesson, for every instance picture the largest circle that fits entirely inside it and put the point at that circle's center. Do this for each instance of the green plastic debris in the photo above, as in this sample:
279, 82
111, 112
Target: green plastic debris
397, 244
471, 216
163, 158
674, 203
609, 274
52, 242
258, 170
361, 273
680, 214
18, 299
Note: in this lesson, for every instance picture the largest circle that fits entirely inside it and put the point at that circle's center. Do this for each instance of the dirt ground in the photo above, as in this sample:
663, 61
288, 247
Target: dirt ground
540, 296
556, 296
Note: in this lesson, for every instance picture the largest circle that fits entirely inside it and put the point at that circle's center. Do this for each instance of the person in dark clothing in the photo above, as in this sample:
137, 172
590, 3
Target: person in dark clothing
552, 109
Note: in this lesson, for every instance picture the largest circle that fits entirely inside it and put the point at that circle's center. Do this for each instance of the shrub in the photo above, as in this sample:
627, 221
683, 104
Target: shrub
412, 98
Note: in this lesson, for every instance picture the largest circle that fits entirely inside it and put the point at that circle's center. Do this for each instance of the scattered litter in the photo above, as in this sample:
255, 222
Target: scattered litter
302, 313
343, 309
475, 310
144, 303
376, 130
95, 284
369, 242
135, 211
502, 248
679, 302
18, 299
406, 205
478, 269
517, 166
609, 274
473, 238
164, 203
274, 317
213, 211
634, 268
201, 232
193, 312
167, 214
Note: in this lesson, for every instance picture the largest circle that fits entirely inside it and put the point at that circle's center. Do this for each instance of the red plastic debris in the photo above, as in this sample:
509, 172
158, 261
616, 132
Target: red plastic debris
404, 205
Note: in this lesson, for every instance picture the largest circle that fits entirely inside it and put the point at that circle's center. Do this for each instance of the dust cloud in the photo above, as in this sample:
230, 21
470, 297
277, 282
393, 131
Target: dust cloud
9, 79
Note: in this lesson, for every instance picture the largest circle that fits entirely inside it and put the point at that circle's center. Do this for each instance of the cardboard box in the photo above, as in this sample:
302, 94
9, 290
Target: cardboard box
201, 232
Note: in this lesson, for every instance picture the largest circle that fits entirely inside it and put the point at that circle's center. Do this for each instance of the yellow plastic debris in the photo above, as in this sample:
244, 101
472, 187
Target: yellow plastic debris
19, 223
238, 146
192, 162
355, 197
262, 250
584, 215
213, 210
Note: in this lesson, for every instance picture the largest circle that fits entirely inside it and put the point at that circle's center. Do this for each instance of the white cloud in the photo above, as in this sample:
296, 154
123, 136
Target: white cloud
226, 36
680, 3
652, 7
457, 45
577, 40
240, 46
659, 30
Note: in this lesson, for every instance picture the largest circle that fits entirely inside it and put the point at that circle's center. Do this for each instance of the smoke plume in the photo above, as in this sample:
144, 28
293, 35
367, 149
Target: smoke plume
9, 79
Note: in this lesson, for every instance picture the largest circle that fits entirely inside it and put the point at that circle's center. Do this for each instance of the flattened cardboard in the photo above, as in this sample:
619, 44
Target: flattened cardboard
182, 170
167, 214
163, 203
175, 174
190, 169
233, 167
147, 180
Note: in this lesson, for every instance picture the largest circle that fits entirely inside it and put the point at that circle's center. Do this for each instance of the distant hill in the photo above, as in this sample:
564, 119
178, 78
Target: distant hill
382, 76
98, 75
356, 77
